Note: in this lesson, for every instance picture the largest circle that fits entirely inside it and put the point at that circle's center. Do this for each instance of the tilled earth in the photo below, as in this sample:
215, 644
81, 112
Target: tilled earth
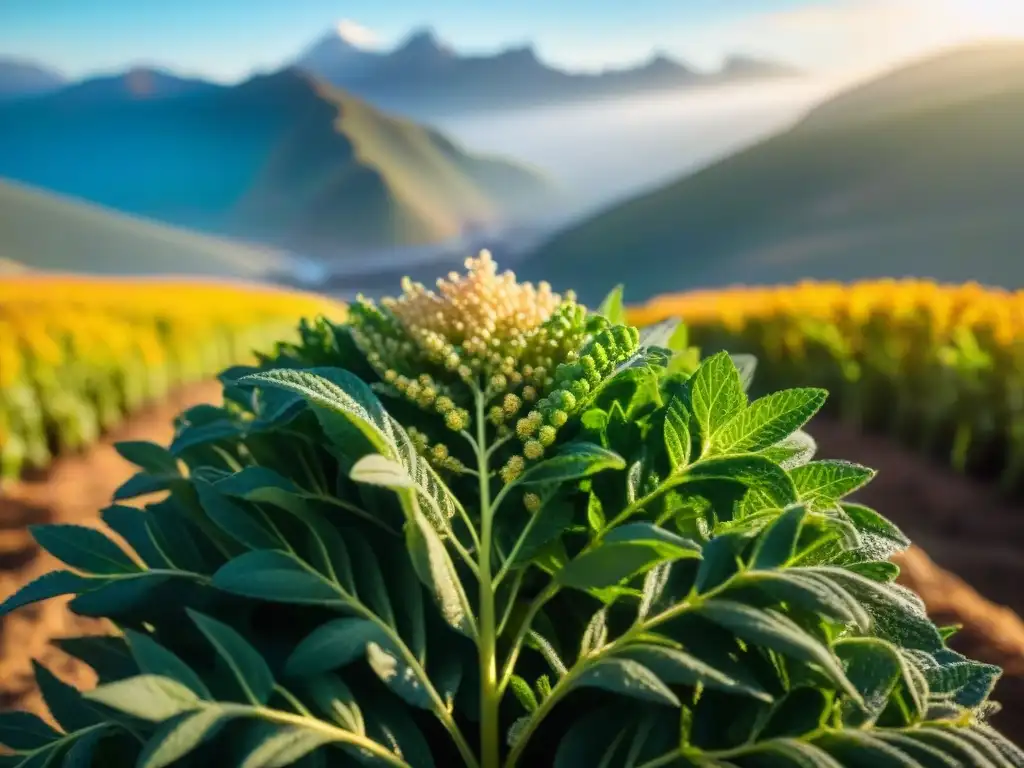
971, 537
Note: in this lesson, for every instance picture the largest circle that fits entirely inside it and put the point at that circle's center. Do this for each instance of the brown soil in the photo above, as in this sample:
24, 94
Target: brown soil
975, 544
73, 491
974, 538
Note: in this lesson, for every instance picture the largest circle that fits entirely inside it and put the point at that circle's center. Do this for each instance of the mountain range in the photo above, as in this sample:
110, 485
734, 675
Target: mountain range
916, 173
20, 79
281, 159
425, 76
421, 77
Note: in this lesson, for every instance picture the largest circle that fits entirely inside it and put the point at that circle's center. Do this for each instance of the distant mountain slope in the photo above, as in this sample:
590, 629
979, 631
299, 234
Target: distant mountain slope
22, 78
138, 83
47, 232
280, 158
919, 173
425, 76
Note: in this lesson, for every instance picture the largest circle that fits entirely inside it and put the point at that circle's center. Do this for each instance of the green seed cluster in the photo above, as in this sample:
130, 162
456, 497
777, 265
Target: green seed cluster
573, 383
437, 453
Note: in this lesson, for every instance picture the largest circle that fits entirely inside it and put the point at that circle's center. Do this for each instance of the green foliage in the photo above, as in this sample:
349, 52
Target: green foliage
674, 582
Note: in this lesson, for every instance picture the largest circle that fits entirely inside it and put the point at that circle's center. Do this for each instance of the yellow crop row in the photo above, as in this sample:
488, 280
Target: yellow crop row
939, 366
78, 353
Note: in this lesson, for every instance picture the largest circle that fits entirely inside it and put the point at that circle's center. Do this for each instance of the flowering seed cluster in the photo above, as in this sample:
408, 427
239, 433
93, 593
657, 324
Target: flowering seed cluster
573, 382
477, 329
535, 355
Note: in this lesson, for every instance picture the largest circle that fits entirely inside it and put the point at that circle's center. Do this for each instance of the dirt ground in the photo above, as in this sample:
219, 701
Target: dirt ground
970, 535
74, 491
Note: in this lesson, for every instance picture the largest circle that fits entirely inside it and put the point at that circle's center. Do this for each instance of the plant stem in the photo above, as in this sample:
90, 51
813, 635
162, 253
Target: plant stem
490, 697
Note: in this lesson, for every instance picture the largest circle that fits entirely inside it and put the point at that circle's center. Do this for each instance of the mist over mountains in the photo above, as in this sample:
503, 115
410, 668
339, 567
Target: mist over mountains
421, 77
424, 75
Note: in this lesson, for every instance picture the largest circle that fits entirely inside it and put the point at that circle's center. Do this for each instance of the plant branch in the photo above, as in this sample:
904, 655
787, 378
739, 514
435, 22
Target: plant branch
490, 692
524, 630
339, 735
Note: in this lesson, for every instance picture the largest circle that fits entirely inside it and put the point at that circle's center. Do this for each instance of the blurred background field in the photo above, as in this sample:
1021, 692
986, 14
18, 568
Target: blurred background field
834, 186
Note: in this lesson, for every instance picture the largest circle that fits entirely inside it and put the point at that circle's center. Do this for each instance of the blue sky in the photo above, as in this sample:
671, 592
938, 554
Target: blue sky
227, 39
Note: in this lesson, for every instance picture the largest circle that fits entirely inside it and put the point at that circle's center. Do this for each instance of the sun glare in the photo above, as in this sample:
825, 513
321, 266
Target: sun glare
1003, 18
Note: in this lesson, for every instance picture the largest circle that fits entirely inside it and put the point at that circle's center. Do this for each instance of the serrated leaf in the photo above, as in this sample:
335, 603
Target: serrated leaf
23, 731
755, 472
84, 548
677, 436
874, 668
356, 423
375, 469
825, 482
716, 395
332, 645
336, 700
881, 538
611, 307
133, 525
595, 513
64, 701
277, 577
626, 551
119, 595
654, 585
574, 461
153, 659
278, 746
588, 738
178, 736
596, 633
109, 656
795, 451
82, 751
777, 543
924, 755
241, 524
437, 572
248, 667
143, 484
344, 405
196, 435
523, 693
149, 697
773, 630
789, 753
395, 672
769, 420
627, 677
859, 748
392, 725
746, 365
153, 458
719, 562
811, 592
678, 667
49, 585
898, 614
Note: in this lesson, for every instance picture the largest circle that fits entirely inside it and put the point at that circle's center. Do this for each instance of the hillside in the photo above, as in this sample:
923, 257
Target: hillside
919, 173
281, 158
46, 232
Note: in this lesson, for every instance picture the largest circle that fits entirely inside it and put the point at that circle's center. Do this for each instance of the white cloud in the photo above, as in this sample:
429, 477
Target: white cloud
356, 34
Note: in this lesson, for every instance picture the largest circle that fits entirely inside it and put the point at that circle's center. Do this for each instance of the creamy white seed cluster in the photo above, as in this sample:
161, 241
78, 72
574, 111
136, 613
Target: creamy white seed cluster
532, 354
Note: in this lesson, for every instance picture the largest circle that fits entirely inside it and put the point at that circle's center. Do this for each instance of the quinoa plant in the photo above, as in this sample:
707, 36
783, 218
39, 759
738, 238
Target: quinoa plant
483, 526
